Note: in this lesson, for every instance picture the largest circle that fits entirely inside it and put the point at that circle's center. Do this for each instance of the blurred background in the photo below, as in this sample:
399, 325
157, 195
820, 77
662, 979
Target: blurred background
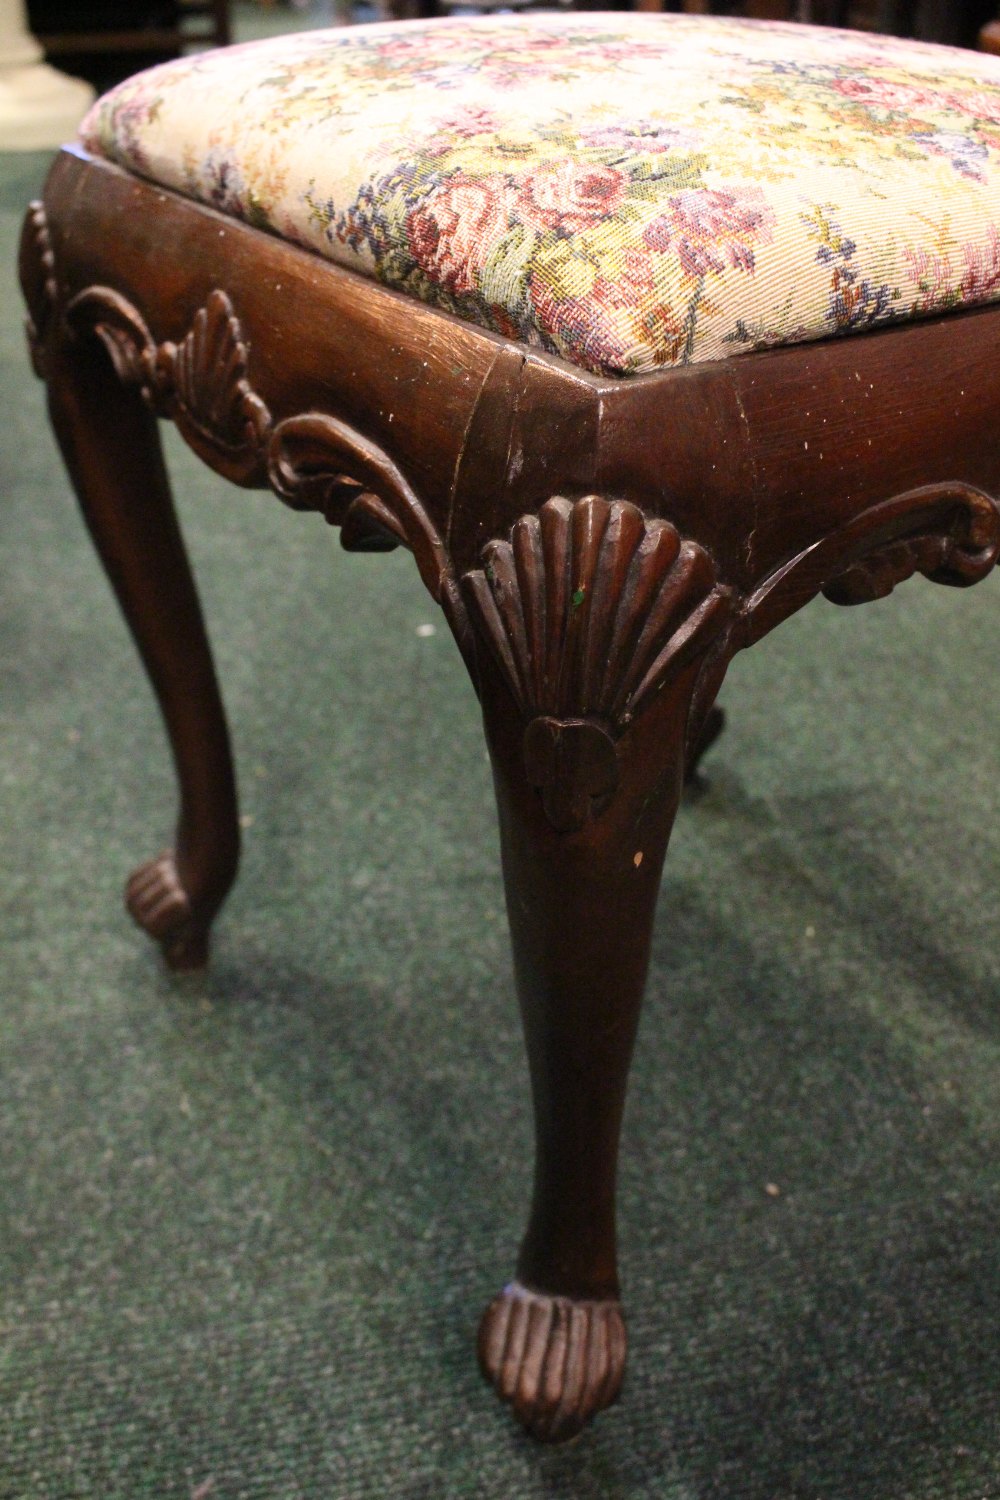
106, 40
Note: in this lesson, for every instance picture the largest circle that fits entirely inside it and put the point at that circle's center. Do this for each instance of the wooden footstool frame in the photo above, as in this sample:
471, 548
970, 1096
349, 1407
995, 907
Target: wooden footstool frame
601, 548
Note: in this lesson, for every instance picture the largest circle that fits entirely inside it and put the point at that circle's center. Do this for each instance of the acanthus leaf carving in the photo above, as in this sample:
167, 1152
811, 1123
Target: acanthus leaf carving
960, 549
312, 461
304, 461
949, 533
37, 273
201, 383
588, 611
103, 312
318, 462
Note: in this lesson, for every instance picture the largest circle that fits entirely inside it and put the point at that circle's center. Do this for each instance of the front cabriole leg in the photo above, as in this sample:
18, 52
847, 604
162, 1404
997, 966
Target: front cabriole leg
593, 625
602, 639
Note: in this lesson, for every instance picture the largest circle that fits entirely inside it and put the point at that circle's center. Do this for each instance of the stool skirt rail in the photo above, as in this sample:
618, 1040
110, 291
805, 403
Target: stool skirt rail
600, 547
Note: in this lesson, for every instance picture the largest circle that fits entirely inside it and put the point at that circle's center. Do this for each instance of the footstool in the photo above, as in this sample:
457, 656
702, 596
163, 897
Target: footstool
560, 303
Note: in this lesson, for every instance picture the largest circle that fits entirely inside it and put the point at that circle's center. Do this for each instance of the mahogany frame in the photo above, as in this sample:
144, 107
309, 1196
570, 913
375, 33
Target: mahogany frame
601, 548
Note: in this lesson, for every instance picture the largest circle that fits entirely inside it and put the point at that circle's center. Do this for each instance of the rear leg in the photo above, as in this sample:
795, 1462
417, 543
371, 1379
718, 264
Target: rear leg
111, 447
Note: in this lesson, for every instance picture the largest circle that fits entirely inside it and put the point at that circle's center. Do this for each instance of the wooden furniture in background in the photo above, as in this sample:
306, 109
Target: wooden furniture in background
928, 20
760, 10
954, 22
109, 40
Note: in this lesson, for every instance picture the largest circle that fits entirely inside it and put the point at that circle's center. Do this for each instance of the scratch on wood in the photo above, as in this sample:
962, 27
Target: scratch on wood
745, 424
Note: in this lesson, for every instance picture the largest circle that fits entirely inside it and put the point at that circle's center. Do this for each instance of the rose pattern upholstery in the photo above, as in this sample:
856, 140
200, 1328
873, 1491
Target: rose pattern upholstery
628, 191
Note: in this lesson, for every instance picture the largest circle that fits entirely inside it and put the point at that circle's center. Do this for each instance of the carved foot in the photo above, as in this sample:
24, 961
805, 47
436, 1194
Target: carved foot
557, 1361
158, 902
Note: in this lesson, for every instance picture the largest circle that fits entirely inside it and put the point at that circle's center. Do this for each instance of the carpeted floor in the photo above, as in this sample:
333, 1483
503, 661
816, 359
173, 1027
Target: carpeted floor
247, 1221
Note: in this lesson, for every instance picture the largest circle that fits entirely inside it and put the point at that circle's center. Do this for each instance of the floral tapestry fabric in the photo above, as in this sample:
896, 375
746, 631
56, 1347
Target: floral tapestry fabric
628, 191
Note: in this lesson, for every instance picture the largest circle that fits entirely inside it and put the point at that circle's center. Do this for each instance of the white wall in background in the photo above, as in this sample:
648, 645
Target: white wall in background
39, 107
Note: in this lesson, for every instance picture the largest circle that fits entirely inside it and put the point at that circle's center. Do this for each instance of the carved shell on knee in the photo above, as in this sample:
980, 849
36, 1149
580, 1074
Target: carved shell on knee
588, 610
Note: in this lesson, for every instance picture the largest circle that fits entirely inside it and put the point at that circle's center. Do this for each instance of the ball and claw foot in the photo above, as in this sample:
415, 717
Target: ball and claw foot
158, 902
557, 1361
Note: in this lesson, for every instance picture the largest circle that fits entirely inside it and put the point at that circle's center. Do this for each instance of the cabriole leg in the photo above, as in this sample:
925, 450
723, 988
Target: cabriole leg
581, 908
597, 631
111, 447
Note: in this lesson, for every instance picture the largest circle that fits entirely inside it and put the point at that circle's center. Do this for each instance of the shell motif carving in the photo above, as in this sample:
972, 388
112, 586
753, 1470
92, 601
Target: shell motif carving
588, 610
37, 272
202, 384
313, 461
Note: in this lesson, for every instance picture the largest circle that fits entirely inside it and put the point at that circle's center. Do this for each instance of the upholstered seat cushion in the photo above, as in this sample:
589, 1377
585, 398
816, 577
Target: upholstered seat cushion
629, 191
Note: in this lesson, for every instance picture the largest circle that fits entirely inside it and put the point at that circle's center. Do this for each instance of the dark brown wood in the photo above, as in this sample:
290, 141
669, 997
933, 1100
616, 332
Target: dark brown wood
110, 444
711, 725
601, 549
580, 989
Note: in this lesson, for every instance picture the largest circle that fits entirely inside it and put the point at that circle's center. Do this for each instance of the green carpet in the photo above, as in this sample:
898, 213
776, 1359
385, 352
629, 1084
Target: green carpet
247, 1221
